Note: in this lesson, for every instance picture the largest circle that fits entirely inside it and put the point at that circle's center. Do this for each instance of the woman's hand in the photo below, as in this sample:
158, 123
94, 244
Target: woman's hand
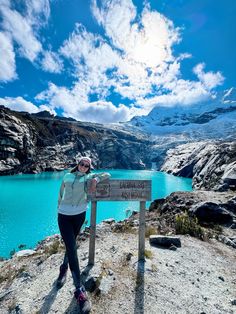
93, 186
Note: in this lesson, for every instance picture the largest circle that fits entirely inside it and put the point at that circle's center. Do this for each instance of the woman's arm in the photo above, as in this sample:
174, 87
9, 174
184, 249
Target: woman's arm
96, 178
100, 176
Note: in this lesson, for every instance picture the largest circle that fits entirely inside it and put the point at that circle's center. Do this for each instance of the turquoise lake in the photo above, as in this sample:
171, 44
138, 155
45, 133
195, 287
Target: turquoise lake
28, 204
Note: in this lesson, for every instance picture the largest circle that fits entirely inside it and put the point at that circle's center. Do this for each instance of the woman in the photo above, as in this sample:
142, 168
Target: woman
72, 206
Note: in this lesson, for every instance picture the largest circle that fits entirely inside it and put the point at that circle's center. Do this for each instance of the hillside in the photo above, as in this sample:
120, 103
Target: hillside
198, 277
31, 143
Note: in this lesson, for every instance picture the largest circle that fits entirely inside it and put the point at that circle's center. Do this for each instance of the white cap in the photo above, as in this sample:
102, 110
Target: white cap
86, 159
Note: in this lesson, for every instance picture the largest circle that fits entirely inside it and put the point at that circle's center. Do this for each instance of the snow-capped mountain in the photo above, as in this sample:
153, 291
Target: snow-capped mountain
215, 118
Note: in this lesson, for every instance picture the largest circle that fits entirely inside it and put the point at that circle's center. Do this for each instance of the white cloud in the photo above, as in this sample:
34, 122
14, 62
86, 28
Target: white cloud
102, 112
22, 22
116, 18
139, 58
64, 98
209, 79
38, 12
184, 93
18, 104
134, 58
75, 104
20, 30
46, 108
51, 62
148, 41
7, 59
91, 50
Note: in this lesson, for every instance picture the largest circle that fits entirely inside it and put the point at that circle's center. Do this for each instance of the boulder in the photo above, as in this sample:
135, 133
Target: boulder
164, 241
211, 213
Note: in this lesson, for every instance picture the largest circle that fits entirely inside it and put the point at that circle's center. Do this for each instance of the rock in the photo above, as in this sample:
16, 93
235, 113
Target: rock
109, 221
178, 202
227, 241
24, 253
230, 205
229, 176
128, 256
233, 302
105, 286
165, 241
5, 293
212, 165
211, 212
91, 284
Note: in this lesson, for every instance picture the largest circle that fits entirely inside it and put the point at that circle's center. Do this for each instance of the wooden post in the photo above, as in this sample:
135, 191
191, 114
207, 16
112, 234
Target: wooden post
92, 233
141, 244
120, 190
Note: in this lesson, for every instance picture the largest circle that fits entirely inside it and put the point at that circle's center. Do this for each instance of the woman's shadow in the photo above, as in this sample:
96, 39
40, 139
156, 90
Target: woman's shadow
73, 308
49, 299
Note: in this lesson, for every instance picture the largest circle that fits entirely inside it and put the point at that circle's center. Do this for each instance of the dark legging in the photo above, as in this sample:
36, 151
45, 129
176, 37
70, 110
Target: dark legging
70, 227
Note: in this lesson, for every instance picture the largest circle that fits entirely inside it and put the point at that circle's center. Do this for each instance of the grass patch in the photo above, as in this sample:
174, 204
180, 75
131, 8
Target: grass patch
154, 268
148, 254
124, 227
9, 273
188, 225
53, 248
150, 230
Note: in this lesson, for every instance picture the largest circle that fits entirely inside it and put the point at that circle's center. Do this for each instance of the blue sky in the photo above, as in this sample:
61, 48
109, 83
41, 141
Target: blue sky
109, 60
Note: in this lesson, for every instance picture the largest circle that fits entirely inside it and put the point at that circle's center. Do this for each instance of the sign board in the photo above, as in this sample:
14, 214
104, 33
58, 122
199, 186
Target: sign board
122, 190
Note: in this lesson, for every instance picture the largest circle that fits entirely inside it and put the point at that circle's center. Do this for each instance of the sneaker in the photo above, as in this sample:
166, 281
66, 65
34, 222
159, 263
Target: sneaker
62, 276
83, 301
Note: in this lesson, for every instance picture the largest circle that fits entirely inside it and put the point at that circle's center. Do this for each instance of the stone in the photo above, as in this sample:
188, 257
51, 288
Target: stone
211, 212
109, 221
24, 253
105, 285
90, 284
165, 241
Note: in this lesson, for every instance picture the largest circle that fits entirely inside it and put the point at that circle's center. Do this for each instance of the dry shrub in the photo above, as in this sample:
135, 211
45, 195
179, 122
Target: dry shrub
188, 225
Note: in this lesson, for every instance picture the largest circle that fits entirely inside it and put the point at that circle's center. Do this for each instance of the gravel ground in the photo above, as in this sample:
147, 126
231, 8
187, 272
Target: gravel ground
199, 278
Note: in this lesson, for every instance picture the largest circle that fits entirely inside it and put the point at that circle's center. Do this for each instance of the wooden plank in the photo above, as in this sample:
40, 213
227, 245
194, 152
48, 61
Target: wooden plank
122, 190
141, 244
92, 233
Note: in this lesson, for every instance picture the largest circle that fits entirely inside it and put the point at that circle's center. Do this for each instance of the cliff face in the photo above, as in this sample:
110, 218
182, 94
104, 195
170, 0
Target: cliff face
31, 143
211, 165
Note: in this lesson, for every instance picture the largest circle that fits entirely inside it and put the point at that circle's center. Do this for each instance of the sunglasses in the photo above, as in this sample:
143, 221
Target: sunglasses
84, 165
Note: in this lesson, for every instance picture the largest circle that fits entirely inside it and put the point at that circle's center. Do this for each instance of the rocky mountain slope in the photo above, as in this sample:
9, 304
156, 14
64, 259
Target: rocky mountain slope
31, 143
212, 165
214, 119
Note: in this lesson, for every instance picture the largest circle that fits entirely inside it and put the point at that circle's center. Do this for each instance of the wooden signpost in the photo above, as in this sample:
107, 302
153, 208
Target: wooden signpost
120, 190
